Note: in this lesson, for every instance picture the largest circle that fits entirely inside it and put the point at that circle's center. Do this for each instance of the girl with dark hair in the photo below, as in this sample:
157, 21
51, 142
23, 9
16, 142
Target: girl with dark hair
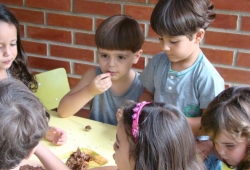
14, 63
154, 136
227, 121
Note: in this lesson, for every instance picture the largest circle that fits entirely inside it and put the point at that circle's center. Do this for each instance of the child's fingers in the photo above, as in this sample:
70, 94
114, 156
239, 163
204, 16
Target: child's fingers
63, 138
119, 114
103, 76
59, 142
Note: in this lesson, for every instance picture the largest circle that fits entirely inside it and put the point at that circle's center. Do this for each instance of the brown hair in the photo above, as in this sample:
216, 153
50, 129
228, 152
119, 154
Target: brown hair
119, 32
181, 17
19, 68
165, 140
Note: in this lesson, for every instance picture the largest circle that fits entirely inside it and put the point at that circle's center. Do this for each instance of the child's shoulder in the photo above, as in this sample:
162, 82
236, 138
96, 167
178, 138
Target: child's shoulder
160, 56
207, 70
160, 59
207, 66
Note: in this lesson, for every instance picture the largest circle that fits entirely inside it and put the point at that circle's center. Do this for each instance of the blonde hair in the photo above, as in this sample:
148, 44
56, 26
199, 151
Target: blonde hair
230, 111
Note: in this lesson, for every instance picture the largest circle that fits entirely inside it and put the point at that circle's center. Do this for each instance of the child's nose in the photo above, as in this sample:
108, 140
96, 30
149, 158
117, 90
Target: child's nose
220, 150
7, 51
165, 46
111, 62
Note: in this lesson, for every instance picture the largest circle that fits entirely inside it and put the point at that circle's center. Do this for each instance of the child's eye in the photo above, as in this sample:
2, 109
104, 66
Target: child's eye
230, 146
173, 42
121, 57
13, 44
104, 56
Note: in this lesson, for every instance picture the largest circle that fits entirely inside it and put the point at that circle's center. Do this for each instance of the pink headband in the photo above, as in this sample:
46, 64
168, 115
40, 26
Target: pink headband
135, 117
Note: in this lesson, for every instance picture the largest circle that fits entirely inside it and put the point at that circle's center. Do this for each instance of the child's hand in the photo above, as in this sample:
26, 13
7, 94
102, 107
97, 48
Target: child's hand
204, 148
119, 114
100, 84
56, 135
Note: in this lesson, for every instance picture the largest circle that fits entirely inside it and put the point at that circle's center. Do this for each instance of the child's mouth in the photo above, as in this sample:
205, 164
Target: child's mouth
111, 73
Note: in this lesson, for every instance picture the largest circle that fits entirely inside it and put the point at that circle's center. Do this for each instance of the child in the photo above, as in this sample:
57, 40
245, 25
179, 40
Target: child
119, 39
23, 123
154, 136
227, 121
14, 63
181, 75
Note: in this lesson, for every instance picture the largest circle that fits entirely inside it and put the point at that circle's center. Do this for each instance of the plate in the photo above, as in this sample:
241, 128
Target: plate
97, 161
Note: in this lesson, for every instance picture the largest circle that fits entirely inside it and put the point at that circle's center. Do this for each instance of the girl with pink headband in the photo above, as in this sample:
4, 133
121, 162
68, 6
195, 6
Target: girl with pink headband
154, 136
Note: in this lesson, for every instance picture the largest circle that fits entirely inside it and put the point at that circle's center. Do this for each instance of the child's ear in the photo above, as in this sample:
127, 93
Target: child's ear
137, 56
199, 35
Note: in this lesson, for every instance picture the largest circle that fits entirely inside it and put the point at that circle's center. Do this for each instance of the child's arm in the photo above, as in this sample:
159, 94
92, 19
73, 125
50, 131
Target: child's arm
48, 159
147, 96
89, 86
195, 123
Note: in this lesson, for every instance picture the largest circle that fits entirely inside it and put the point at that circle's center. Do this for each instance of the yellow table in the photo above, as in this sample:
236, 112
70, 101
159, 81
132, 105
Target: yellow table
99, 139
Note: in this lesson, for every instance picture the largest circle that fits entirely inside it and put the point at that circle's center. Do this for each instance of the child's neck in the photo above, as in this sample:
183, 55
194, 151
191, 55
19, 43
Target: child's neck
119, 87
186, 63
3, 74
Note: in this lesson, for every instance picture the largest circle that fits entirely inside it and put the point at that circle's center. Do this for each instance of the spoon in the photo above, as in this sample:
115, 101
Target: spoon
86, 128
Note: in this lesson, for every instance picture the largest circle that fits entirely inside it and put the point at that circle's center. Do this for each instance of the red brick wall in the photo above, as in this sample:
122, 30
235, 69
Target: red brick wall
60, 33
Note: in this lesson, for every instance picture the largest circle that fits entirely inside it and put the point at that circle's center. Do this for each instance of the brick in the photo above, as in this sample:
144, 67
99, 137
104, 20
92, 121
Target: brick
219, 56
13, 2
36, 72
34, 47
225, 21
21, 30
140, 64
153, 1
139, 1
99, 21
142, 27
49, 34
76, 22
232, 5
151, 47
227, 40
152, 33
63, 5
139, 12
48, 64
85, 39
72, 53
243, 59
24, 15
234, 75
73, 81
80, 69
245, 24
100, 8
